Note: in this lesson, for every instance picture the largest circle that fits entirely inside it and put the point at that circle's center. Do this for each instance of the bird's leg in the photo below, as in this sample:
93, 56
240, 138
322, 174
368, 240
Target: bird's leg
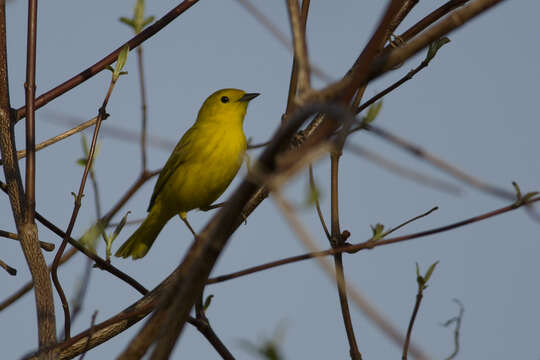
183, 216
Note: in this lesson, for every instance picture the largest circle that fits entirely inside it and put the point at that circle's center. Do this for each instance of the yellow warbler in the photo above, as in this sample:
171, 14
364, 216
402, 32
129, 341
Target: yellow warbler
200, 168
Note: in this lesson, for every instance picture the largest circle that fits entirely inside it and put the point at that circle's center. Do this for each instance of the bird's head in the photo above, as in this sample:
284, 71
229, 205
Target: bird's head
226, 105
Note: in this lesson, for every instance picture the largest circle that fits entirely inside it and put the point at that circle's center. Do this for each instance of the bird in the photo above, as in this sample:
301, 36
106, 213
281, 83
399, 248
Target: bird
199, 169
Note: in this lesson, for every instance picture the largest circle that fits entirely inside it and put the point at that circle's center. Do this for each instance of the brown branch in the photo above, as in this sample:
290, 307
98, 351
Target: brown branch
368, 244
402, 13
30, 94
300, 47
429, 20
44, 245
27, 232
337, 240
454, 20
419, 297
101, 263
369, 310
109, 59
293, 83
392, 87
9, 269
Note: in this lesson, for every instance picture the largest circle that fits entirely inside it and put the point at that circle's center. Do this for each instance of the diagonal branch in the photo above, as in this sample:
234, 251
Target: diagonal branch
109, 59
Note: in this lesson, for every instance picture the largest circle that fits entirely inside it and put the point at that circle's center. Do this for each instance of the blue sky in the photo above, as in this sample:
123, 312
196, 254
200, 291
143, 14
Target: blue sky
474, 106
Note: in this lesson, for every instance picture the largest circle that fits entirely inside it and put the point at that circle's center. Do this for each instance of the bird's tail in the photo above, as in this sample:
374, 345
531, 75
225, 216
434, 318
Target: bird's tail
140, 242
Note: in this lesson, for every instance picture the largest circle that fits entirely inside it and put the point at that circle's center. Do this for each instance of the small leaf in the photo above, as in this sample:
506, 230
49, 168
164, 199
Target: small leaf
435, 46
122, 58
373, 111
207, 302
430, 270
81, 162
377, 231
127, 21
119, 227
110, 68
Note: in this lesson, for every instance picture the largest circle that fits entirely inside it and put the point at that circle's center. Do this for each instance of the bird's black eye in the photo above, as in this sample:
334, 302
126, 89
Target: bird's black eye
224, 99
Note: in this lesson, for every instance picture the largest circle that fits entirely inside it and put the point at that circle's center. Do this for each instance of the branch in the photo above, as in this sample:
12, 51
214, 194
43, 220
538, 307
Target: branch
27, 232
369, 310
368, 244
9, 269
22, 153
109, 59
47, 246
30, 94
102, 114
300, 47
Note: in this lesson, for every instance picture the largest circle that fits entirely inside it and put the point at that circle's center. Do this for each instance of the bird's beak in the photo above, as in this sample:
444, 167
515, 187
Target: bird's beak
249, 96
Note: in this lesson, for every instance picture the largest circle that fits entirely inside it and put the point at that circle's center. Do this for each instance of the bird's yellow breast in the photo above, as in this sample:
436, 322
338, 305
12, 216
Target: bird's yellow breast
212, 163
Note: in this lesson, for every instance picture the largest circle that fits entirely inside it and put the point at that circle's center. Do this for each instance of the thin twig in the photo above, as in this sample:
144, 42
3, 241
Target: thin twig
337, 240
369, 310
9, 269
47, 246
317, 202
54, 272
140, 67
300, 47
368, 244
392, 87
110, 58
293, 83
428, 20
102, 264
22, 153
456, 319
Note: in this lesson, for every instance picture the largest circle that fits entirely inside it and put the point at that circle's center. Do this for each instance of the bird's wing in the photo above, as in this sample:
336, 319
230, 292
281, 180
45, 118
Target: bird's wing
177, 157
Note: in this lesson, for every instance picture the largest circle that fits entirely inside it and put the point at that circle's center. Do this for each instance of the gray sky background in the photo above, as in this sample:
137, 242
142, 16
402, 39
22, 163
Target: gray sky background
474, 106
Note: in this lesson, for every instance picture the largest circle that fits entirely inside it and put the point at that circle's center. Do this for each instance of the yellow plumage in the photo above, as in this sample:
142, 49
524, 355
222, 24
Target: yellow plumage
200, 168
